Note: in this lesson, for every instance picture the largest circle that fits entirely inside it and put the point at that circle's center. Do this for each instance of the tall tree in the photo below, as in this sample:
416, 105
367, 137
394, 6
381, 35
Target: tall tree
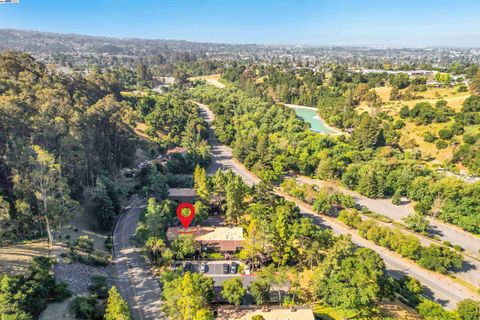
117, 307
51, 190
236, 192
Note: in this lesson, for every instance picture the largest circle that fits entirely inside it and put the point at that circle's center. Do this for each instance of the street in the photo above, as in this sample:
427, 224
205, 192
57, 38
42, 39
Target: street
133, 278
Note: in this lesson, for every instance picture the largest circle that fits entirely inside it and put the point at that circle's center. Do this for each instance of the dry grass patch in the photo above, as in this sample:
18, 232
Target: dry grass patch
16, 258
415, 133
213, 79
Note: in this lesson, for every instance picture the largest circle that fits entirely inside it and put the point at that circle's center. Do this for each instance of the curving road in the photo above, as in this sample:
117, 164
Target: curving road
133, 278
438, 287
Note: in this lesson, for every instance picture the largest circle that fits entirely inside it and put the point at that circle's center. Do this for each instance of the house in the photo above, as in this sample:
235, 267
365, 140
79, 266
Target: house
182, 194
270, 313
222, 239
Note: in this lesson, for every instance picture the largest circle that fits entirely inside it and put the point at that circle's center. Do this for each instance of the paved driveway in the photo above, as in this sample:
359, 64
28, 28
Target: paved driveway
215, 271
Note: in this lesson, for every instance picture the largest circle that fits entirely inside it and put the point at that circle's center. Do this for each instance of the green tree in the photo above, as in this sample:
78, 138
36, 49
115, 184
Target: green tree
350, 279
417, 222
155, 248
185, 245
235, 194
103, 206
233, 291
200, 183
51, 190
188, 297
468, 309
117, 307
260, 291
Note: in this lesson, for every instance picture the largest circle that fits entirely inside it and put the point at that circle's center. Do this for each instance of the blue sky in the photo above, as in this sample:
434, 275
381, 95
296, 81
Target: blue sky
392, 23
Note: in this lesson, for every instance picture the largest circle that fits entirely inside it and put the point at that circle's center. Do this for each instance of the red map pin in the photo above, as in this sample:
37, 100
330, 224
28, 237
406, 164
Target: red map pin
185, 220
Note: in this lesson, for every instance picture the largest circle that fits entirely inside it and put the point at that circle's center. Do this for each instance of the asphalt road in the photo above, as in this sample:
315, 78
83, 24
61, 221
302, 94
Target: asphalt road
446, 232
437, 286
133, 278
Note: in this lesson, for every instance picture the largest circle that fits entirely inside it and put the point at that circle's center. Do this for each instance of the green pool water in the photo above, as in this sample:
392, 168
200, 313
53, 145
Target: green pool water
311, 116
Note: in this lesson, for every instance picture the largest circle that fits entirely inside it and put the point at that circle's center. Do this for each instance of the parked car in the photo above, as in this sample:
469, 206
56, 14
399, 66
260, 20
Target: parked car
226, 268
203, 267
187, 267
233, 267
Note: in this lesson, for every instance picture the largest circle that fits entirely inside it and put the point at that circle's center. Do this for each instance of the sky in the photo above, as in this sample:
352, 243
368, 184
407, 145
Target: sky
390, 23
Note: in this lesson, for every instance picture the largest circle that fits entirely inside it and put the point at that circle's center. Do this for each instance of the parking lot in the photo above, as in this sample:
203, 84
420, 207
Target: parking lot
215, 270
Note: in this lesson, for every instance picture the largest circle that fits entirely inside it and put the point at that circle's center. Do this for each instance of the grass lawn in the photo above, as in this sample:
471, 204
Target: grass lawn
16, 258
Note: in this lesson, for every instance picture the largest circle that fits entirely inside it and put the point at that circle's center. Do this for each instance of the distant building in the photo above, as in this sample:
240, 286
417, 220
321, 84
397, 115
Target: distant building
271, 313
222, 239
182, 194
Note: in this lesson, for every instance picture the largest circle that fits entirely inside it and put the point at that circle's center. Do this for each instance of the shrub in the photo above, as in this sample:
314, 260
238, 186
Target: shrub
99, 286
350, 217
429, 137
87, 308
445, 134
84, 243
441, 144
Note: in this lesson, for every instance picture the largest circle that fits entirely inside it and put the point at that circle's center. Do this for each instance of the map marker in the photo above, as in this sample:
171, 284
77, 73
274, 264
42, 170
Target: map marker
185, 220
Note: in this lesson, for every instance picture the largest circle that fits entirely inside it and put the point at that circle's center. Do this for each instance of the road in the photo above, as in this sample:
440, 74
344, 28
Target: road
133, 278
437, 286
445, 231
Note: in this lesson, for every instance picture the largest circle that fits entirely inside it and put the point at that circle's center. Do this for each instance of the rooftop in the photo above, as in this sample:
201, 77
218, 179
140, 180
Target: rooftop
273, 313
208, 234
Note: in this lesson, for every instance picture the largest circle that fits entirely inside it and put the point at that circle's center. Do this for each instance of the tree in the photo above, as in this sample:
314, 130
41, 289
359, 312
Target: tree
51, 190
349, 278
155, 248
185, 245
260, 291
103, 206
475, 84
258, 317
117, 307
417, 222
369, 133
200, 183
468, 309
235, 194
188, 297
156, 185
5, 220
233, 291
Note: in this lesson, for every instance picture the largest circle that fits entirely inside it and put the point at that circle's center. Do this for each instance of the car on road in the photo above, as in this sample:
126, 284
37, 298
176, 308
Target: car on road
233, 268
203, 268
226, 268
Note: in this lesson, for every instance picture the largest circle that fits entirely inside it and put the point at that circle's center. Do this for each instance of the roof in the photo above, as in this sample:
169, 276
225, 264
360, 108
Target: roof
208, 233
181, 192
273, 313
282, 314
225, 238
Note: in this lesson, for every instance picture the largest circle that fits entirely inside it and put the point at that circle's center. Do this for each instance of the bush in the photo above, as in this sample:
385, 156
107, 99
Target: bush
445, 134
108, 243
99, 286
350, 217
429, 137
87, 308
84, 243
441, 144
